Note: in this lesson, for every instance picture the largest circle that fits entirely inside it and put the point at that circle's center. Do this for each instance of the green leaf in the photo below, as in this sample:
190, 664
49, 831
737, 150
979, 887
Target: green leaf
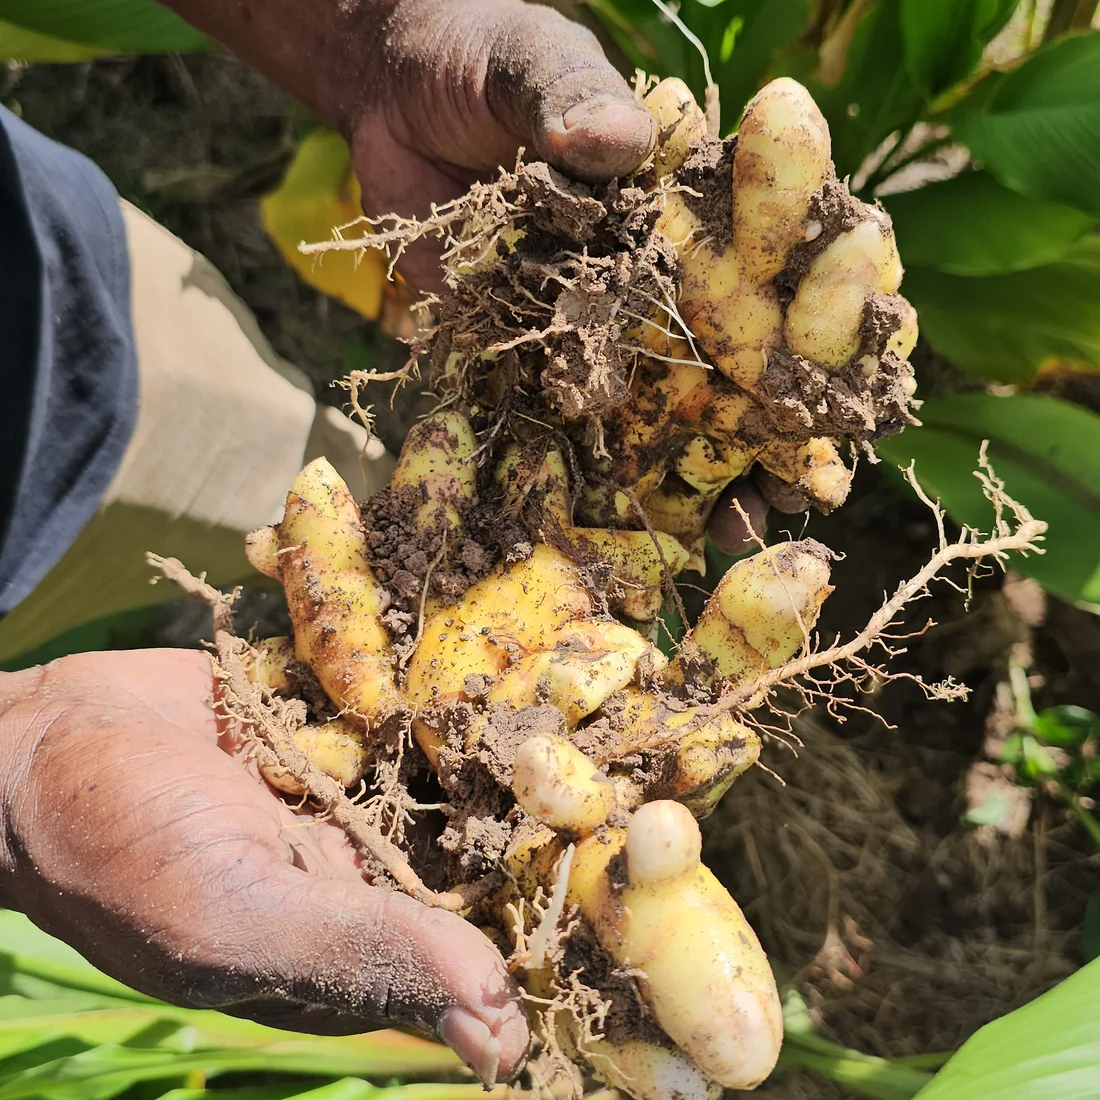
865, 1074
53, 994
767, 26
1032, 760
741, 37
105, 1071
349, 1088
943, 39
874, 95
1067, 727
1046, 452
1037, 129
20, 44
122, 26
36, 965
972, 225
1008, 326
1047, 1050
653, 44
993, 811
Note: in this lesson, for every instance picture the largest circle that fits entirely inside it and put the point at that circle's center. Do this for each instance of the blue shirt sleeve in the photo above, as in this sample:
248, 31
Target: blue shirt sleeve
68, 371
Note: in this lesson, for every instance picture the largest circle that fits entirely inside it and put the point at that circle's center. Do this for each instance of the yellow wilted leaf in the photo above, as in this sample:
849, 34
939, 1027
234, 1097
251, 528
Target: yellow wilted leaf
318, 194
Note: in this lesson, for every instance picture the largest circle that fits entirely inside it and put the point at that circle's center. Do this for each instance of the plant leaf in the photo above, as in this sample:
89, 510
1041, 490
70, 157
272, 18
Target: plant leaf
106, 1070
1037, 129
768, 26
972, 225
1047, 1050
120, 26
349, 1088
652, 43
1046, 452
1067, 727
34, 964
1009, 326
320, 193
63, 996
943, 39
21, 44
874, 95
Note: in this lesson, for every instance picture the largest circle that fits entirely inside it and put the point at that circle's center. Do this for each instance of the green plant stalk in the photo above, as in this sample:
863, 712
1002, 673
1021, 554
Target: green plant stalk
865, 1074
1025, 712
1021, 695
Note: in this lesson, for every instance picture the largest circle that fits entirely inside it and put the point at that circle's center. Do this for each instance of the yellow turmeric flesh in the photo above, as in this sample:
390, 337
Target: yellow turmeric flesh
495, 627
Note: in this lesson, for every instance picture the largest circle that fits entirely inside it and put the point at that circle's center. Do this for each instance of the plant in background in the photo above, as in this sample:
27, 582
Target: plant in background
988, 161
975, 122
1005, 270
1054, 752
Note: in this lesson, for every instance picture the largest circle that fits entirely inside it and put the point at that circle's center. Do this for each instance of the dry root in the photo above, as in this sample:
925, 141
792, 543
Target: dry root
729, 311
607, 361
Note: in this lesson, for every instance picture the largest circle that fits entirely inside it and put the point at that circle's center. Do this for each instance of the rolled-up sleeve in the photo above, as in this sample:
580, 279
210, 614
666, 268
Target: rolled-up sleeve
68, 372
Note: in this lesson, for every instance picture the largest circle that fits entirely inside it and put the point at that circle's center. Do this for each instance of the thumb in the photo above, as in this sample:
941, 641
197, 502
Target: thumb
336, 955
549, 83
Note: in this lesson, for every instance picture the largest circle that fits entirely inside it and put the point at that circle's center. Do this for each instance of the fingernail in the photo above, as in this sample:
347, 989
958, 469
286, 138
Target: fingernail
605, 136
471, 1039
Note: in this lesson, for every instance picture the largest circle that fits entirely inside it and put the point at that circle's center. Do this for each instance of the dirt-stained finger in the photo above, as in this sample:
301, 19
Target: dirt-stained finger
549, 82
354, 957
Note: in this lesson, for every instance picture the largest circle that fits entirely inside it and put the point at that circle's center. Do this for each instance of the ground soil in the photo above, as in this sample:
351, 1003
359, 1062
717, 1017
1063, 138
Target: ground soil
907, 929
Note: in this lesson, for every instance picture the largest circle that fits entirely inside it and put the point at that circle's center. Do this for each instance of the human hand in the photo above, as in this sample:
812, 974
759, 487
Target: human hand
128, 831
455, 89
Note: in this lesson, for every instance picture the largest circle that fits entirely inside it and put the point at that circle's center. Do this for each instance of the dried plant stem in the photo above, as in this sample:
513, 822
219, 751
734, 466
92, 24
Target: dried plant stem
1021, 533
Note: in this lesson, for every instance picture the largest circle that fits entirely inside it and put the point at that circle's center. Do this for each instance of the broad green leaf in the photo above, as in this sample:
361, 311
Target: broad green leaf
972, 225
349, 1088
1008, 326
653, 44
1047, 1050
20, 44
943, 39
121, 26
318, 195
1047, 453
1037, 128
741, 38
106, 1070
35, 964
767, 26
874, 96
25, 1024
269, 1092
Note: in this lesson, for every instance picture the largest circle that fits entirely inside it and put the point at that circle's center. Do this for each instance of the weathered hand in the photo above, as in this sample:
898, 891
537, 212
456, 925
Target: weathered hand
128, 831
434, 93
455, 89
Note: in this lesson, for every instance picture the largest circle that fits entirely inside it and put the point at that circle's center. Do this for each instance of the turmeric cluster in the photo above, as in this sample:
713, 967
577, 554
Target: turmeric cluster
574, 756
